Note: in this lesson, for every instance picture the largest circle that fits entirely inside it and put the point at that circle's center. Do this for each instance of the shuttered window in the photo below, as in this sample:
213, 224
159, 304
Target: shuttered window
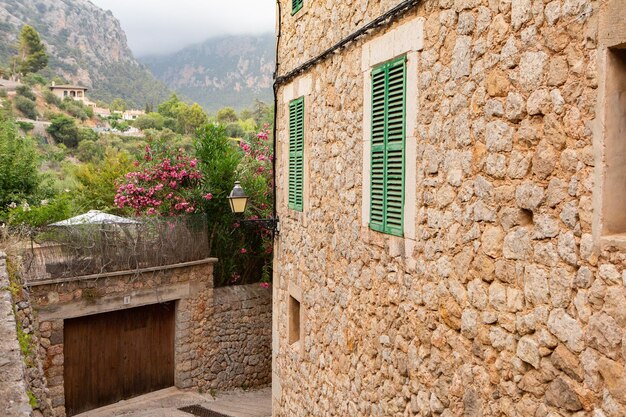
388, 138
296, 153
296, 5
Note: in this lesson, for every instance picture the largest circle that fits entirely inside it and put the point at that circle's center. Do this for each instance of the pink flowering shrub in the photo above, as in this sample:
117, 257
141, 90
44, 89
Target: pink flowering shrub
169, 182
166, 182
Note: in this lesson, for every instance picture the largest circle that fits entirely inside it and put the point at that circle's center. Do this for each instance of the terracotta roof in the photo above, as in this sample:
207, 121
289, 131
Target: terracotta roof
69, 87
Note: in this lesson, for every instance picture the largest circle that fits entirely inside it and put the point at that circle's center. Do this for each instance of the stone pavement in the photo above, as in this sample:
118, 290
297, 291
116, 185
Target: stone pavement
166, 402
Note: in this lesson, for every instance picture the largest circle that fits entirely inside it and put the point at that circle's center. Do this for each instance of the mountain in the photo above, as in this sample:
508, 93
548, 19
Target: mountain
86, 46
224, 71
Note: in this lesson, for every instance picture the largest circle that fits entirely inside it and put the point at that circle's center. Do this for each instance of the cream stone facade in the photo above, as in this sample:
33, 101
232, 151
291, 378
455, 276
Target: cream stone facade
505, 293
71, 91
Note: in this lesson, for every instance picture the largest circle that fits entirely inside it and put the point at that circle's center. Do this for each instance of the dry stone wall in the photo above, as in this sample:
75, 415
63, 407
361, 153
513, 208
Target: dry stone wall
13, 398
237, 340
505, 303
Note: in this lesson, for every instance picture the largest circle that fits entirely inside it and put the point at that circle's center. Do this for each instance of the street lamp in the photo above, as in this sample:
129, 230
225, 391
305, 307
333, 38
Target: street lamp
239, 201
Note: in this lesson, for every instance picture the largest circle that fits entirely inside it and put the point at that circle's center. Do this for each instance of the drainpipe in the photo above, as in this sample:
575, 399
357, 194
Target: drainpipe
274, 129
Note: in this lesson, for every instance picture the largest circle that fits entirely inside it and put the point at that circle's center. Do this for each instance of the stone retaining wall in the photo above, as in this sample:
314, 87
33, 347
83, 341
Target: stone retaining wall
13, 397
237, 340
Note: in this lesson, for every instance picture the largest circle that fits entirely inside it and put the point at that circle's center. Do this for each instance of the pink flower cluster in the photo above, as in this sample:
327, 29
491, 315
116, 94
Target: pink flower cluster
164, 186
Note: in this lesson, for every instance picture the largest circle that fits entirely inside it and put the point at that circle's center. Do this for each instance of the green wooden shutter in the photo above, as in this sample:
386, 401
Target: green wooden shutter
296, 5
296, 153
377, 194
388, 138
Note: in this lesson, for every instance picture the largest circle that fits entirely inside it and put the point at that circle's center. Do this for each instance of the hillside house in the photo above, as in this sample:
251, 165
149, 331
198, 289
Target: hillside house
450, 185
72, 91
132, 114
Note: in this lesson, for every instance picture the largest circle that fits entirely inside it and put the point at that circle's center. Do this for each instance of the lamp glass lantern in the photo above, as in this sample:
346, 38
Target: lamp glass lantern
238, 199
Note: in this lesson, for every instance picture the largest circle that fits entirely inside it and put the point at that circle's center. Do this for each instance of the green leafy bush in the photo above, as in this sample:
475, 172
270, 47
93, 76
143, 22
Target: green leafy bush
89, 151
52, 98
34, 79
50, 115
74, 109
64, 130
97, 181
244, 253
46, 212
26, 106
86, 133
234, 130
25, 126
19, 167
26, 91
150, 121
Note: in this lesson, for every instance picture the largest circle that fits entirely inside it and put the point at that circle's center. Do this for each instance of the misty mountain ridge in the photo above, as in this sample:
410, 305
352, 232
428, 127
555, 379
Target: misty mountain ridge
86, 45
231, 70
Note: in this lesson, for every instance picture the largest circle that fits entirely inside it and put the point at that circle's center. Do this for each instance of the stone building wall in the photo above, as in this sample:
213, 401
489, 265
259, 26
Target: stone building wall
503, 298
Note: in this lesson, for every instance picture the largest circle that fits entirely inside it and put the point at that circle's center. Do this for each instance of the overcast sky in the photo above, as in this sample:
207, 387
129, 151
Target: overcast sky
161, 26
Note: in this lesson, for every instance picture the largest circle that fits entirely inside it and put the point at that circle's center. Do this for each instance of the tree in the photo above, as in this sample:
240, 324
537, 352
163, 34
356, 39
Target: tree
32, 55
118, 105
170, 107
19, 167
191, 118
64, 130
97, 182
262, 113
234, 130
149, 121
227, 115
244, 253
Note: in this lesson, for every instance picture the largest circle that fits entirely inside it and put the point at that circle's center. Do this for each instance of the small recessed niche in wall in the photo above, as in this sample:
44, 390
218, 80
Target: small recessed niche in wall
294, 320
614, 203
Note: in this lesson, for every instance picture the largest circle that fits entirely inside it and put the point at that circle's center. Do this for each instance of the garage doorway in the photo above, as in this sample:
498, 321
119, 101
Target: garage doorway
114, 356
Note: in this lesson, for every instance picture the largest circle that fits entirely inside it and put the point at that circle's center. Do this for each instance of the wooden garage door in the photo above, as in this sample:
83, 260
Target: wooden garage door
118, 355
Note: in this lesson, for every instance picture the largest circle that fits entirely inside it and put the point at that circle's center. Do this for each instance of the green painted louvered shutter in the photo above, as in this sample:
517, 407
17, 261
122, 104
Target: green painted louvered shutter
296, 5
377, 205
296, 153
388, 138
394, 158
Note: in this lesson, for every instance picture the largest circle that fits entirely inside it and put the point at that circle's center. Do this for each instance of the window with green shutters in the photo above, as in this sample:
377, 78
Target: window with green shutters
388, 139
296, 153
296, 5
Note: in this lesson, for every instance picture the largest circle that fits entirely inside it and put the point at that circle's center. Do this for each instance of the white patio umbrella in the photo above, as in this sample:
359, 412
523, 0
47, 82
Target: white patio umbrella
95, 217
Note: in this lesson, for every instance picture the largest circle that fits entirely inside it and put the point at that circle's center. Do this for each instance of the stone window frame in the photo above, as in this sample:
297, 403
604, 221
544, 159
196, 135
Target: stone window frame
408, 40
611, 37
301, 87
295, 292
